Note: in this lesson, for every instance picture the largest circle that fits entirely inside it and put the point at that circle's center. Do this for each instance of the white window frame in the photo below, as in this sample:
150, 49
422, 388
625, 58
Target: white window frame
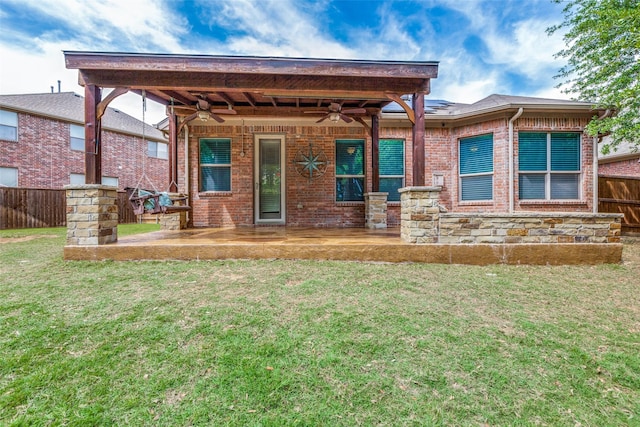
156, 152
9, 119
76, 134
6, 183
548, 173
404, 165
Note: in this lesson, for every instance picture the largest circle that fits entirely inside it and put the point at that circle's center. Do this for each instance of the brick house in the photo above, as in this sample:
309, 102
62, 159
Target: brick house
625, 161
301, 142
42, 144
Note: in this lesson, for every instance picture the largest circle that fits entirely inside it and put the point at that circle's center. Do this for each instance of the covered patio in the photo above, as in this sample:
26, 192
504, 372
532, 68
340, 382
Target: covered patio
350, 244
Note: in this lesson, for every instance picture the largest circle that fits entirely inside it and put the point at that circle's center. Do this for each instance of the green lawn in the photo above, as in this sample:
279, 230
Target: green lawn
275, 343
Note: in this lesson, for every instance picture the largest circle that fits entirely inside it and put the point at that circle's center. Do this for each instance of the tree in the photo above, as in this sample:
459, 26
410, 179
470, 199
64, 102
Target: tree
603, 63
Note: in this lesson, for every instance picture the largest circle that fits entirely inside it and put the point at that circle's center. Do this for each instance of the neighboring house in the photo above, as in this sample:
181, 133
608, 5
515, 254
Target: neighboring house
624, 161
42, 144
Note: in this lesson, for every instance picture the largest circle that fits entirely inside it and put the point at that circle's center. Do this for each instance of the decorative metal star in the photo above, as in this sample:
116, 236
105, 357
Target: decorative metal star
311, 163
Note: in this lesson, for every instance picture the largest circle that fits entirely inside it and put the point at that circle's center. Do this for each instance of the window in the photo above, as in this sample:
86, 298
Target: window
349, 170
76, 179
476, 168
549, 165
8, 125
159, 150
76, 137
110, 180
215, 164
8, 177
391, 160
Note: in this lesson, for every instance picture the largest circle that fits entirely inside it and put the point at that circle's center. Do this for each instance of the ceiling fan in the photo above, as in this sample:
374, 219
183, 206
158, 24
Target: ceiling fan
336, 113
203, 110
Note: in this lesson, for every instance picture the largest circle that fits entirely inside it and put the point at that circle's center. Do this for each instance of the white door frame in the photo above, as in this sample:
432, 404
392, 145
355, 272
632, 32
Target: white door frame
256, 180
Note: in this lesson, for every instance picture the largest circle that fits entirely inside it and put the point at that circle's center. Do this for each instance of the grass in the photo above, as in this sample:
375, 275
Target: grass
274, 343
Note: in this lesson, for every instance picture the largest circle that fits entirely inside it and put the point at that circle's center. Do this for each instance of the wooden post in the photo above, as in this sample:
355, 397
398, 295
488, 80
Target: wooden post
375, 153
173, 153
418, 140
92, 136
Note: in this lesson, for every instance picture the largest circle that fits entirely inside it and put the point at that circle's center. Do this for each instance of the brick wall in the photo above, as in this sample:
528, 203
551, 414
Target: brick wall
313, 204
44, 158
628, 167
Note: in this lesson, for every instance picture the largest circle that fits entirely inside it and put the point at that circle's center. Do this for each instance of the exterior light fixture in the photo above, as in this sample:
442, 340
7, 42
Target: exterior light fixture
203, 115
334, 116
351, 150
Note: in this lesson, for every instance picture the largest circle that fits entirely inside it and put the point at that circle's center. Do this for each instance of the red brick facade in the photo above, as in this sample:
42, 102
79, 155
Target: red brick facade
44, 158
625, 167
314, 203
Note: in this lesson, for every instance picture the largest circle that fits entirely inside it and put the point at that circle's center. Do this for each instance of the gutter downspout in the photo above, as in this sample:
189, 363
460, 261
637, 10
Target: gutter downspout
596, 139
511, 195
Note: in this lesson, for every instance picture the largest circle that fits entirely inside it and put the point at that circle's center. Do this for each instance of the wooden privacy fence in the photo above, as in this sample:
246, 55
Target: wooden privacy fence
621, 194
35, 208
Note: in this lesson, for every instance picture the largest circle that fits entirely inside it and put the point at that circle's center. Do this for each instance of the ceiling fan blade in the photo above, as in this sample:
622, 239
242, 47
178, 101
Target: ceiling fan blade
183, 107
189, 118
216, 118
323, 119
223, 111
354, 111
346, 119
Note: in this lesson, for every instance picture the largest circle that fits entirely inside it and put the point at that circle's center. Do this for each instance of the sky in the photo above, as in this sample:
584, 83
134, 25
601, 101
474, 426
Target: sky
482, 46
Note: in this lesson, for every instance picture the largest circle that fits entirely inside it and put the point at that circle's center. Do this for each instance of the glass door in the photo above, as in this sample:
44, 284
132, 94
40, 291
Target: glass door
269, 179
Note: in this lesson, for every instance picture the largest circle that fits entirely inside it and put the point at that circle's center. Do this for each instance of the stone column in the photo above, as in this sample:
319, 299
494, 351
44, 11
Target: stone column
375, 210
419, 214
173, 221
92, 214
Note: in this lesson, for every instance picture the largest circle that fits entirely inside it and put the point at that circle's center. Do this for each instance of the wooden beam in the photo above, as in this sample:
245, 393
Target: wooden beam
194, 64
397, 98
418, 140
326, 86
102, 106
173, 153
375, 153
367, 128
226, 98
92, 136
249, 98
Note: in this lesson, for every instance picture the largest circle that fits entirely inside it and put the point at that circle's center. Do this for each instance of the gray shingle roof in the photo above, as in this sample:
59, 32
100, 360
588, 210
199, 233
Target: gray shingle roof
436, 108
68, 106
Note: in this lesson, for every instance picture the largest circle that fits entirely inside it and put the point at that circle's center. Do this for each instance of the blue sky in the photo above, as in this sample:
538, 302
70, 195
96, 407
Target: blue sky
483, 46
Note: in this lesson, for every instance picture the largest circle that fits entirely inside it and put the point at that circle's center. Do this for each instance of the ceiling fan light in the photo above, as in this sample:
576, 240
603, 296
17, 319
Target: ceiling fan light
334, 117
203, 115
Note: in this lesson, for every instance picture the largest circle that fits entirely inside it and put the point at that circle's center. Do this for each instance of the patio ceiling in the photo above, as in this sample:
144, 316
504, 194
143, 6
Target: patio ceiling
263, 86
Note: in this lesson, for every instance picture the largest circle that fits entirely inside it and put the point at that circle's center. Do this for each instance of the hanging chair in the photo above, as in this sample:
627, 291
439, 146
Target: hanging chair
153, 201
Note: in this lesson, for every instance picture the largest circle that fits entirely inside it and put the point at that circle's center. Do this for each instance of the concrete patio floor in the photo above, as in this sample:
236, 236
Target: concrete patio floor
347, 244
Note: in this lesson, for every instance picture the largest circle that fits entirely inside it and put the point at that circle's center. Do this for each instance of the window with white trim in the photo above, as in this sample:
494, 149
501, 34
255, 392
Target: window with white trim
76, 137
391, 161
8, 125
349, 170
549, 165
476, 168
159, 150
8, 177
215, 164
